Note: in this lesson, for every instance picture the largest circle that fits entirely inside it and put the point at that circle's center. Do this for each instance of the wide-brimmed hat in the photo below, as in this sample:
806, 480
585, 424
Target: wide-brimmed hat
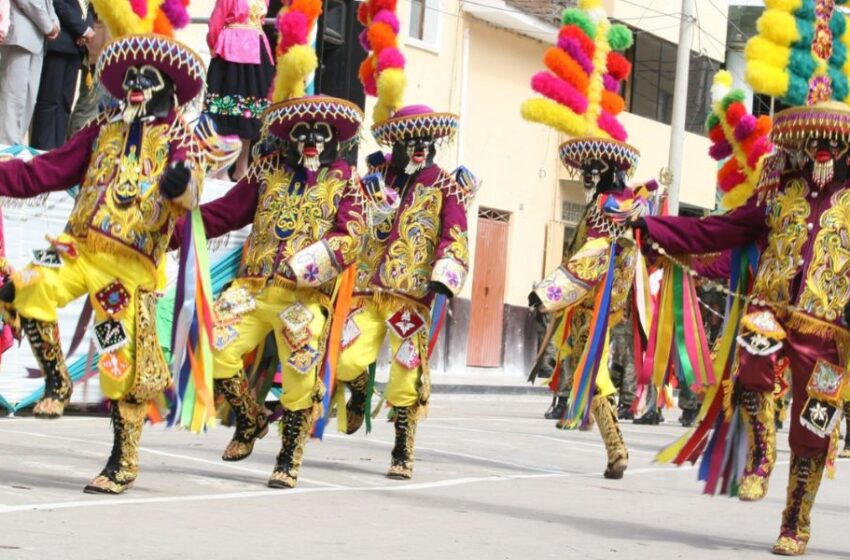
830, 119
343, 115
577, 151
174, 59
415, 121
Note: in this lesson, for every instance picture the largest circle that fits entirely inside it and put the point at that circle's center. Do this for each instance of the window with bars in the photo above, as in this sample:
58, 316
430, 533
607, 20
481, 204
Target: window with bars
494, 215
571, 212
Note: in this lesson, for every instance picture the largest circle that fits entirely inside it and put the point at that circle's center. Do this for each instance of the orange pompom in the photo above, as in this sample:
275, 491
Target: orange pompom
310, 8
161, 25
381, 36
563, 66
729, 168
747, 144
618, 66
612, 103
763, 125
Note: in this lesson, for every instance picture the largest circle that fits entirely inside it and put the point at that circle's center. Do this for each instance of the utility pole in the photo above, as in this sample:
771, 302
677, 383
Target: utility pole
680, 104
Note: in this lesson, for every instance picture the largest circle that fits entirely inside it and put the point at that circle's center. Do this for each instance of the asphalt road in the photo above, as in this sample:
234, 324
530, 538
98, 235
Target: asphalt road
493, 480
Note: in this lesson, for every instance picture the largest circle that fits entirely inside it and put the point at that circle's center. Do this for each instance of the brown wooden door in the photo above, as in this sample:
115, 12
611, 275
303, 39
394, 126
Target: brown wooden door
484, 347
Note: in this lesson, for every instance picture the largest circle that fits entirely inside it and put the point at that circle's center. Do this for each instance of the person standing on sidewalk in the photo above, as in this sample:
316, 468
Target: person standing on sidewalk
91, 91
59, 74
31, 24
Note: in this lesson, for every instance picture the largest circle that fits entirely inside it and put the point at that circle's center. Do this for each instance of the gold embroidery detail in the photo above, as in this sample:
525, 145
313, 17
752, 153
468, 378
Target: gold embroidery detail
152, 374
787, 221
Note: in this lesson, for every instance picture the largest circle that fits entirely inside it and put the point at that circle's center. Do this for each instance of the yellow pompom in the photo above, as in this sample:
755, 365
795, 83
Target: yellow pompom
121, 20
293, 69
391, 84
550, 113
779, 27
767, 79
789, 6
763, 51
589, 4
737, 196
723, 78
380, 113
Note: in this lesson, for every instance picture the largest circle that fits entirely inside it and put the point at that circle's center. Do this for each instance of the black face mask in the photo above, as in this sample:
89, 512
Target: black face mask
827, 160
311, 145
600, 176
413, 155
148, 93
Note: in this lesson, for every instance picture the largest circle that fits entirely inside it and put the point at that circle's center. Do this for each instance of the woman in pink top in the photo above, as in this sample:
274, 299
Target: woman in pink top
240, 73
4, 20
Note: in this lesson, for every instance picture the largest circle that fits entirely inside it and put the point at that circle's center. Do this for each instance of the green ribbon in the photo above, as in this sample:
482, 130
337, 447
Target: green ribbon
678, 317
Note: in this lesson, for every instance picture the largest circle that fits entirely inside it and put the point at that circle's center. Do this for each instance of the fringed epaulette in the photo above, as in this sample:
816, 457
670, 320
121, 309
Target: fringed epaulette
771, 176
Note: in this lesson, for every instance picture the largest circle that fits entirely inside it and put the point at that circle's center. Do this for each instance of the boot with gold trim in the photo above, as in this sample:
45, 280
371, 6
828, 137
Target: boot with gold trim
295, 428
44, 340
618, 456
122, 467
355, 408
251, 420
758, 411
401, 465
803, 483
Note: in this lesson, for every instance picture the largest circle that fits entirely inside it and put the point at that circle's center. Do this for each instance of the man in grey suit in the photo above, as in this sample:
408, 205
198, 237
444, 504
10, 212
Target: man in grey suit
21, 57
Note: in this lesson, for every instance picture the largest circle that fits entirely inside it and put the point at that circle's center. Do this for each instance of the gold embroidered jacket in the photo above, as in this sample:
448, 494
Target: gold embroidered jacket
805, 233
118, 168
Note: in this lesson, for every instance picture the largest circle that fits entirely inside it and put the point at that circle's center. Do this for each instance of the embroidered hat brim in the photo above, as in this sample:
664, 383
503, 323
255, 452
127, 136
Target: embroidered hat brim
343, 115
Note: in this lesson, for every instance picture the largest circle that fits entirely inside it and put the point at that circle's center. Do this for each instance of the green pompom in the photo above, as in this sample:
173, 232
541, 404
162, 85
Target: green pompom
573, 16
620, 37
711, 122
734, 96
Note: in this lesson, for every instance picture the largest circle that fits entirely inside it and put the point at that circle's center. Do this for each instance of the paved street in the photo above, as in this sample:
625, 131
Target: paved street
493, 481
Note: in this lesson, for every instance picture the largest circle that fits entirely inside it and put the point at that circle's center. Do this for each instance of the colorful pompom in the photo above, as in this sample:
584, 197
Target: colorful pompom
381, 36
389, 18
558, 90
746, 125
576, 32
620, 37
612, 126
572, 47
618, 66
390, 57
294, 30
310, 8
376, 6
563, 66
576, 17
612, 103
176, 13
720, 150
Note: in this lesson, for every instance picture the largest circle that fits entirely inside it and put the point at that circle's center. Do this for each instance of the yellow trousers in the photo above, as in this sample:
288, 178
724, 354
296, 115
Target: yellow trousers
41, 290
370, 319
299, 385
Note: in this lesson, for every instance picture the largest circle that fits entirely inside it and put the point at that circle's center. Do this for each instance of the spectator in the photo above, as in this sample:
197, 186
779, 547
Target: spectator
240, 73
91, 92
31, 22
59, 74
622, 367
4, 20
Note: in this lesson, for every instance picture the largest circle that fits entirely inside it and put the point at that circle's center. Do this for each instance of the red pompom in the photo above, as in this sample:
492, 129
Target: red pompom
381, 36
363, 14
716, 134
376, 6
367, 76
575, 32
735, 112
618, 66
730, 167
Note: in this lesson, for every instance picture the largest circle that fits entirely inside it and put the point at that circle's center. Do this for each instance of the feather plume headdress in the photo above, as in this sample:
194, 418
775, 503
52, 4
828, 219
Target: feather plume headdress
580, 88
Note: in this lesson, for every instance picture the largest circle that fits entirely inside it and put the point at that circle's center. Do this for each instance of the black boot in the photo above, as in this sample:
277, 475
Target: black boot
355, 408
251, 421
689, 416
401, 465
295, 427
44, 340
122, 467
558, 409
624, 412
650, 418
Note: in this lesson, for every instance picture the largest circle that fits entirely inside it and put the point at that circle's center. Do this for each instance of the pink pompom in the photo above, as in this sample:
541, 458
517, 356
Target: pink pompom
363, 37
176, 13
720, 150
559, 91
140, 7
612, 126
745, 127
390, 57
760, 147
294, 28
386, 16
611, 83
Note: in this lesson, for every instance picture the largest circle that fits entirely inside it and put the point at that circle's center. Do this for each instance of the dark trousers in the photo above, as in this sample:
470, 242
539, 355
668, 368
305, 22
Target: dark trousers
55, 99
